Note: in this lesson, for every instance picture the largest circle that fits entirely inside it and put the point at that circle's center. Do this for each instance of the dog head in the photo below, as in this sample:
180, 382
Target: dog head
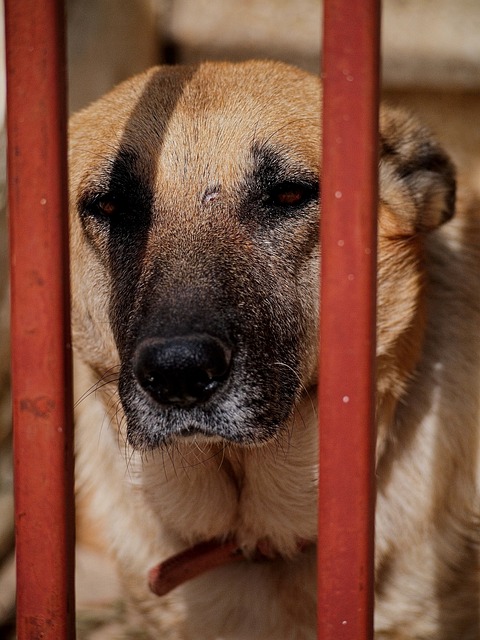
194, 199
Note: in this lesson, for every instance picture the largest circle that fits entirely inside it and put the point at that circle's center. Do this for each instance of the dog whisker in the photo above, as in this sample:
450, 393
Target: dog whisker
109, 377
303, 388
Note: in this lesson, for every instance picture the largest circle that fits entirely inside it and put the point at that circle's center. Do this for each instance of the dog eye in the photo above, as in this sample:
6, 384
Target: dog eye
291, 194
108, 206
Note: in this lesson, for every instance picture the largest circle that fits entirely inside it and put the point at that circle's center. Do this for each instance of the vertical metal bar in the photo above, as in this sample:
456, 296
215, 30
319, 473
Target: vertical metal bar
41, 366
347, 327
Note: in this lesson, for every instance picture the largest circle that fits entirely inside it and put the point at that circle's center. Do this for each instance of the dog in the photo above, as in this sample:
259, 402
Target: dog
195, 270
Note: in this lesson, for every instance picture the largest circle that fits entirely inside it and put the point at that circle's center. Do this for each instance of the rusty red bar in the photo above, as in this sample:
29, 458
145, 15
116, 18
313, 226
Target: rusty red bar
347, 326
41, 361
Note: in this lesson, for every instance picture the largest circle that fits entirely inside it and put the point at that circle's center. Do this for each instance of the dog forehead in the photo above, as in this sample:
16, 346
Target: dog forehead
201, 123
227, 111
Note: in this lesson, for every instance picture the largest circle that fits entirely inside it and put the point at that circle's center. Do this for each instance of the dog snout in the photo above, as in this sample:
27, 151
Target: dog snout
183, 370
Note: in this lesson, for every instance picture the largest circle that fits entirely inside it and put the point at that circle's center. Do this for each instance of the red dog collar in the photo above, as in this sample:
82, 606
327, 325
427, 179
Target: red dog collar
203, 557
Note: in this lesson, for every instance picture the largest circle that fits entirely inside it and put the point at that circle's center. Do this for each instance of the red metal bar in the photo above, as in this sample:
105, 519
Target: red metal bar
41, 366
347, 327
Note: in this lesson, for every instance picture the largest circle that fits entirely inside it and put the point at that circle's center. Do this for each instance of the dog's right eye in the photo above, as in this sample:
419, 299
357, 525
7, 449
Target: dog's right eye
108, 206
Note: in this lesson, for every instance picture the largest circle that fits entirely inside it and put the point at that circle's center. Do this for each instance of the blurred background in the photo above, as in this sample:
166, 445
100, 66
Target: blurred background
430, 63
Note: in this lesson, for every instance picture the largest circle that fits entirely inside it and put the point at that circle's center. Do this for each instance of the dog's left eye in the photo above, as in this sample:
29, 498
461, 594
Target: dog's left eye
291, 194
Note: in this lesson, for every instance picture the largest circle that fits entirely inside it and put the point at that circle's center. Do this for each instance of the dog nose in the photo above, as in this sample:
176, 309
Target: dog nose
184, 370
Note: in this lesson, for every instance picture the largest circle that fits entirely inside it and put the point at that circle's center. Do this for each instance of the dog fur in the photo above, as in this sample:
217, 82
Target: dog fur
194, 212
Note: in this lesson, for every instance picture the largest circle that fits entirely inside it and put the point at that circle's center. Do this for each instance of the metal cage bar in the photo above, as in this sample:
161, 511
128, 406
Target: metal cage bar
41, 361
347, 323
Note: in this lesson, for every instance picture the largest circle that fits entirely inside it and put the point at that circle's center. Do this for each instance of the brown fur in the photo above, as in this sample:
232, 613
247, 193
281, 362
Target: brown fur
178, 228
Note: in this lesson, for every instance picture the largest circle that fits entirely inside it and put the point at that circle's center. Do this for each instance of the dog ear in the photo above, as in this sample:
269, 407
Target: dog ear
417, 178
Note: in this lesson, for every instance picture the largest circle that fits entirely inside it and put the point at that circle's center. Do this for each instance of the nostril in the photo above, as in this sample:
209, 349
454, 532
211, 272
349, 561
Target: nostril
183, 370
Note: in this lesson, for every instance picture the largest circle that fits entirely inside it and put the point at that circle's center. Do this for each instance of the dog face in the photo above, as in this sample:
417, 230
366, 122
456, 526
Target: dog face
194, 199
196, 205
